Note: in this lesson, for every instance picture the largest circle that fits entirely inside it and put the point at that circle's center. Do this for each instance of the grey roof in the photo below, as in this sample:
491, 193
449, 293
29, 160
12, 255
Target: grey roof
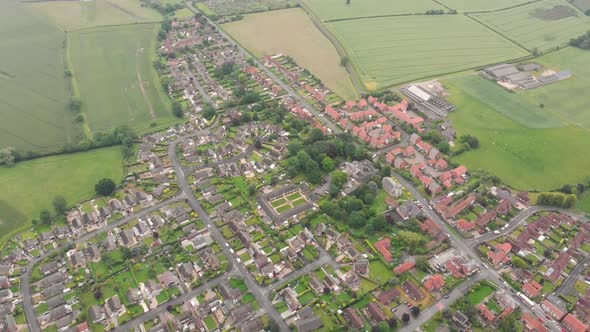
502, 70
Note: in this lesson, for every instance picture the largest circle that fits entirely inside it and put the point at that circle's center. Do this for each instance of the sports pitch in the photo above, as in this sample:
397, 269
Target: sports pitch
541, 25
393, 50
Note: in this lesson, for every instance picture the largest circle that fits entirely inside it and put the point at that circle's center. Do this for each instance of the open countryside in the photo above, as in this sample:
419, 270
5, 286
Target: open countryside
525, 157
272, 32
33, 88
75, 15
480, 5
115, 76
328, 10
542, 25
421, 46
30, 186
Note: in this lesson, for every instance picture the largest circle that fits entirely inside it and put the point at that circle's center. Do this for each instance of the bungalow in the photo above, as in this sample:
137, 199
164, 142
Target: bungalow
465, 226
353, 317
413, 291
168, 279
375, 312
388, 296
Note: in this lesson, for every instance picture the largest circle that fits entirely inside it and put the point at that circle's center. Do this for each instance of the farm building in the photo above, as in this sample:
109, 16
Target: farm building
434, 103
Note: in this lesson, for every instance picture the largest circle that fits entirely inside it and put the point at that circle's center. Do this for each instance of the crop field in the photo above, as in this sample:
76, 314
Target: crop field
115, 76
33, 89
272, 32
480, 5
523, 157
568, 98
30, 186
327, 10
542, 25
231, 7
74, 15
387, 51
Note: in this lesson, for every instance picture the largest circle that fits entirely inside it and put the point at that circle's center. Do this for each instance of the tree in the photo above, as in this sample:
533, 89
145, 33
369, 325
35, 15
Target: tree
60, 205
45, 217
471, 141
75, 104
105, 187
7, 157
519, 262
316, 135
444, 147
328, 164
177, 109
415, 311
345, 60
258, 144
405, 318
209, 112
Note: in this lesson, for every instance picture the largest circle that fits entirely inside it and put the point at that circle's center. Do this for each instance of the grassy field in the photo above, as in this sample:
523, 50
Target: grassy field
30, 186
477, 295
542, 25
327, 10
584, 204
74, 15
523, 157
387, 51
480, 5
567, 99
273, 32
115, 76
33, 89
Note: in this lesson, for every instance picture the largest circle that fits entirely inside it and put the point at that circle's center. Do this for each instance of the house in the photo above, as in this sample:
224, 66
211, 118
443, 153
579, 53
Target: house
573, 324
388, 296
351, 279
152, 289
309, 324
532, 323
392, 187
375, 312
404, 267
49, 268
553, 310
486, 313
532, 289
413, 291
168, 279
465, 226
5, 295
461, 321
383, 247
408, 210
353, 317
523, 197
4, 282
134, 295
361, 266
434, 283
499, 254
115, 306
96, 314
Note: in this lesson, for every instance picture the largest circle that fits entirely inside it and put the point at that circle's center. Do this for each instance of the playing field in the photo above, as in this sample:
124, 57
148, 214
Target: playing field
33, 92
74, 15
387, 51
523, 157
30, 186
480, 5
327, 10
115, 76
567, 99
274, 32
543, 25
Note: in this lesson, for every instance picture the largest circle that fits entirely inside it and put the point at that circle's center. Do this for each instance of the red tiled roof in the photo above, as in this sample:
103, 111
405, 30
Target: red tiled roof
435, 282
404, 267
383, 246
574, 324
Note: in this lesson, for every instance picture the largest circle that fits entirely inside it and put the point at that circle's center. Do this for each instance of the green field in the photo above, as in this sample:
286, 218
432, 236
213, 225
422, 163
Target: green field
387, 51
30, 186
74, 15
523, 157
567, 99
327, 10
478, 294
584, 203
542, 25
115, 76
33, 89
272, 32
480, 5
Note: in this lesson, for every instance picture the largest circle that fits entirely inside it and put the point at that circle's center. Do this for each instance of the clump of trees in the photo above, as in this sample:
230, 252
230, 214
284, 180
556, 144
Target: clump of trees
583, 41
105, 187
557, 199
435, 12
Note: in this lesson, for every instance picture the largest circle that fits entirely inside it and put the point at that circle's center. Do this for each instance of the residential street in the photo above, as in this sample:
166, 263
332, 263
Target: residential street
27, 295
